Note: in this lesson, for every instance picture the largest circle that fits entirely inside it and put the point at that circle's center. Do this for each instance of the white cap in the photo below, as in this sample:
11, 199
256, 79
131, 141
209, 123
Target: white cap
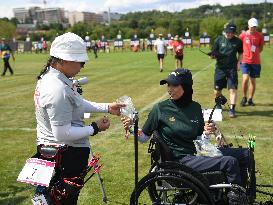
252, 22
69, 47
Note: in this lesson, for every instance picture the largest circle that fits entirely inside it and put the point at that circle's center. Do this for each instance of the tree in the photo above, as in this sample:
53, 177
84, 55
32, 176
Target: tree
161, 30
80, 29
7, 29
176, 27
213, 26
14, 21
133, 24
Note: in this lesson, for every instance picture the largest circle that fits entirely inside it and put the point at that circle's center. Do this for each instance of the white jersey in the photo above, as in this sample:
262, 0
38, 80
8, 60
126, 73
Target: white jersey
160, 46
57, 103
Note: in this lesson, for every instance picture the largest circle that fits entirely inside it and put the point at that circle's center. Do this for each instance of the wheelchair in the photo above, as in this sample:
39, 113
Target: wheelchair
169, 182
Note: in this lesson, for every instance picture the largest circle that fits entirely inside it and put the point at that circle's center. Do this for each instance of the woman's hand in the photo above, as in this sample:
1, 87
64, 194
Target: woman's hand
209, 128
103, 123
114, 108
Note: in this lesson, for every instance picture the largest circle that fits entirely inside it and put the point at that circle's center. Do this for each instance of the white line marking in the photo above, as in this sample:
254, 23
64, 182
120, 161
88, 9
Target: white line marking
19, 129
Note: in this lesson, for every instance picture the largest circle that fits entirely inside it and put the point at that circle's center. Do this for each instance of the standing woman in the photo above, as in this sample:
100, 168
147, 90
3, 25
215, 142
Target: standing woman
60, 110
5, 52
178, 47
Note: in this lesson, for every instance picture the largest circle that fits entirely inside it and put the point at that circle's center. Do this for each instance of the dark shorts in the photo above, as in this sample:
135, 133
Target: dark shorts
160, 56
253, 70
178, 57
225, 78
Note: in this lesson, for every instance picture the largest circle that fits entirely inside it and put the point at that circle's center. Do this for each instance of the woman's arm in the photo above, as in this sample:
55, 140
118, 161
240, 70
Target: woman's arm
71, 133
112, 108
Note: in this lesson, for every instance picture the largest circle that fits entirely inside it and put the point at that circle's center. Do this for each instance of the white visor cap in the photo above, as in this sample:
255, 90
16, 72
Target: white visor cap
69, 47
252, 22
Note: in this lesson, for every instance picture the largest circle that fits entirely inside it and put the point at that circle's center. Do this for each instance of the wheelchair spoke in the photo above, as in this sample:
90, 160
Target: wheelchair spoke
169, 189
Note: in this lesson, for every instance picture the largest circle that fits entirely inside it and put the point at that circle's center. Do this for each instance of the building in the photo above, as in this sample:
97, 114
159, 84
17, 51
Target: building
86, 17
51, 15
38, 15
108, 16
21, 14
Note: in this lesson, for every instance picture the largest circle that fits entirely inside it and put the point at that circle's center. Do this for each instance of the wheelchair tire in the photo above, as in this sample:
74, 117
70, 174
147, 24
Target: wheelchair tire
251, 179
186, 189
180, 167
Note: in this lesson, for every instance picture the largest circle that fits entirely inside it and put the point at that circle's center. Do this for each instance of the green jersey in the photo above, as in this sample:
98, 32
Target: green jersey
178, 126
227, 49
5, 50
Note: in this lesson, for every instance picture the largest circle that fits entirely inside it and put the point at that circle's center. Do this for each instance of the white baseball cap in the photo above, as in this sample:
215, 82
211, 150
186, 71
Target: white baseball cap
69, 47
252, 22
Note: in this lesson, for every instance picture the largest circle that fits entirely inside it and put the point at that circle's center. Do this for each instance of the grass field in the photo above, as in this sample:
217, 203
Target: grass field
111, 76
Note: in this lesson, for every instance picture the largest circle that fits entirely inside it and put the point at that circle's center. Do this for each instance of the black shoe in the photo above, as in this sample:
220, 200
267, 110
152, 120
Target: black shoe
161, 69
237, 196
231, 113
250, 102
243, 101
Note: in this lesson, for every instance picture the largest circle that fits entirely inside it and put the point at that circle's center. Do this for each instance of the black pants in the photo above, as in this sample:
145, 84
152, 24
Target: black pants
234, 164
73, 162
7, 66
95, 52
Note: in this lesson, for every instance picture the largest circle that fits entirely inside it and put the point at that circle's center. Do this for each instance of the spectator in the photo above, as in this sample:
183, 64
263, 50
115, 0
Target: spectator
178, 47
227, 50
5, 52
160, 49
253, 42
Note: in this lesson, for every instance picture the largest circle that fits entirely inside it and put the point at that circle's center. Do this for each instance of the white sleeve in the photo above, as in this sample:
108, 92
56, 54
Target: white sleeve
90, 107
71, 133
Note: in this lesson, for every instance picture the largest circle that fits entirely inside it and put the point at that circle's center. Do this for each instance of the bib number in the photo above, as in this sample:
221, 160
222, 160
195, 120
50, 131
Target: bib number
37, 172
253, 48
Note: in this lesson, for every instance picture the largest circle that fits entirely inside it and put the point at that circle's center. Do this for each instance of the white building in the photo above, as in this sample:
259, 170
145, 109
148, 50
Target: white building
21, 14
51, 15
86, 17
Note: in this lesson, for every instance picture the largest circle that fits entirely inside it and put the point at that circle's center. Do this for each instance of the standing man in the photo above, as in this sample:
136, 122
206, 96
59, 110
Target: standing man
95, 48
253, 42
5, 52
160, 49
227, 50
178, 47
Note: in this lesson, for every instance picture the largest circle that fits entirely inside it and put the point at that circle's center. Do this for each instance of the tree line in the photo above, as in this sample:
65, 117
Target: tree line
206, 18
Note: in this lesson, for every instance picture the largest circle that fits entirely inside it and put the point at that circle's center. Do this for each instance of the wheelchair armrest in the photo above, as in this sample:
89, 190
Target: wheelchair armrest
159, 149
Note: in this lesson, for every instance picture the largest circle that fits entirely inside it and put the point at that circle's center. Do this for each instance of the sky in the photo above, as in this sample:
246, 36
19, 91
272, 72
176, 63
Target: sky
121, 6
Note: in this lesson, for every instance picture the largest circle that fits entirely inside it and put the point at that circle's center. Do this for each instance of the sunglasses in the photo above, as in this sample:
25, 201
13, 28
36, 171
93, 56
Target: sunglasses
82, 64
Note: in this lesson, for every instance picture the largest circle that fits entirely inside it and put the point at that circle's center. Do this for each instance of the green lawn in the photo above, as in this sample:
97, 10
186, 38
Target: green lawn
111, 76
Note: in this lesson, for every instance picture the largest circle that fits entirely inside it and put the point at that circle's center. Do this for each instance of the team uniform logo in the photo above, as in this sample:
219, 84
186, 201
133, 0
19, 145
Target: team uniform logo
172, 119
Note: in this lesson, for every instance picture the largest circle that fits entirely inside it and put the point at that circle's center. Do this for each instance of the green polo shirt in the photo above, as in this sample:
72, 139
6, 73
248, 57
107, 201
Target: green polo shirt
228, 49
178, 126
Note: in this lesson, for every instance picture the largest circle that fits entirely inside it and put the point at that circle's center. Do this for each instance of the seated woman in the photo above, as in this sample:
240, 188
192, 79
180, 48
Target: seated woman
179, 120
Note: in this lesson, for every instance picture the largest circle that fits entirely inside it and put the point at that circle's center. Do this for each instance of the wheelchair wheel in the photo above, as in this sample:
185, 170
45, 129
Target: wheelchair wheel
170, 187
251, 179
180, 167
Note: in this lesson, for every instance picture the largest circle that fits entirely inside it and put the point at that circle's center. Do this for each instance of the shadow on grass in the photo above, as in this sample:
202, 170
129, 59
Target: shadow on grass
12, 200
11, 195
265, 113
